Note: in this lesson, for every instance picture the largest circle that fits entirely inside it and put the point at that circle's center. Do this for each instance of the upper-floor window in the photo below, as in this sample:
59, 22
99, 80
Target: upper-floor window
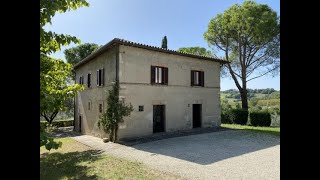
89, 80
100, 77
100, 108
81, 80
89, 105
197, 78
159, 75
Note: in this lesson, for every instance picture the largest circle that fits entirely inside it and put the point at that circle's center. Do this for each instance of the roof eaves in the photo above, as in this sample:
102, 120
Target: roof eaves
96, 53
130, 43
117, 41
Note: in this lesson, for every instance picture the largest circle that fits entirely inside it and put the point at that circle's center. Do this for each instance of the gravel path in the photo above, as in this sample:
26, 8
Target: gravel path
218, 155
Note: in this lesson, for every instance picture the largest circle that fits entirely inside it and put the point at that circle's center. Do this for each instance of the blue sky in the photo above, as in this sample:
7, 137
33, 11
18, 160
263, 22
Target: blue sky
147, 21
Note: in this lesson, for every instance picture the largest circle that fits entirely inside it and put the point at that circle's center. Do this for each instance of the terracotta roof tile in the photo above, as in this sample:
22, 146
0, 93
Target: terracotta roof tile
117, 41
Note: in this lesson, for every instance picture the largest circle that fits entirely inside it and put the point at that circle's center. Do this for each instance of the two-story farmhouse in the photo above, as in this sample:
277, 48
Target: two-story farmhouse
169, 90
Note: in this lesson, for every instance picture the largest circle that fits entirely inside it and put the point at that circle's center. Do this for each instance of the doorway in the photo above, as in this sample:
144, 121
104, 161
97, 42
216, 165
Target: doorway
158, 118
196, 115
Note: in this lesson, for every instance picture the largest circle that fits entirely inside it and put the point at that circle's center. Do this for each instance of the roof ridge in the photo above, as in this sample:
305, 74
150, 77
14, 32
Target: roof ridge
142, 44
117, 41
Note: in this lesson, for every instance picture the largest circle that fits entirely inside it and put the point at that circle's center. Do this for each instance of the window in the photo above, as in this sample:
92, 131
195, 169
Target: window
100, 77
140, 108
159, 75
197, 78
89, 80
89, 106
81, 80
100, 108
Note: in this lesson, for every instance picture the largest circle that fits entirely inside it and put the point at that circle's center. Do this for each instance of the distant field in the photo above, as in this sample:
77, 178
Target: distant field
263, 100
270, 102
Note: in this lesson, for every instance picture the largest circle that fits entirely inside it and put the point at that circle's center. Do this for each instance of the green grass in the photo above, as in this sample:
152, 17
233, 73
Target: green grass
258, 95
270, 130
77, 161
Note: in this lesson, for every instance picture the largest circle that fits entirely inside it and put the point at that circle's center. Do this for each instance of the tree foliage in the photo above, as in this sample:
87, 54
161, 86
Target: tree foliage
200, 51
78, 53
113, 115
49, 41
249, 36
53, 89
164, 42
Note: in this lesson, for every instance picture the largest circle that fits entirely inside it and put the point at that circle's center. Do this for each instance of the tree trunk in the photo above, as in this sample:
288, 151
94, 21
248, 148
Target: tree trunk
53, 115
111, 134
116, 133
244, 96
48, 118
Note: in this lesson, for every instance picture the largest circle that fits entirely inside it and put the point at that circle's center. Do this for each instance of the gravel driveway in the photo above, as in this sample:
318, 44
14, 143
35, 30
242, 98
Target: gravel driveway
233, 154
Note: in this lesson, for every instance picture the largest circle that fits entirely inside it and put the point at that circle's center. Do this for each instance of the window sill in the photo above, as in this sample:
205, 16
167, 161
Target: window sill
156, 84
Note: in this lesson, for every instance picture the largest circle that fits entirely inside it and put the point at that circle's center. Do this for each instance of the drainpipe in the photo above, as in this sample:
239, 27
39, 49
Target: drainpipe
117, 63
74, 106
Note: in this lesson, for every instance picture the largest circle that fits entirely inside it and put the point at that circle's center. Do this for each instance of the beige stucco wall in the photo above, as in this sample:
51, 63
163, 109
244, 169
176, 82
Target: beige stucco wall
94, 94
178, 96
134, 76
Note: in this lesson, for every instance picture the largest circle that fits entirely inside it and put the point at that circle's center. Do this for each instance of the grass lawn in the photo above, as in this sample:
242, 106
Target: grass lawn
77, 161
270, 130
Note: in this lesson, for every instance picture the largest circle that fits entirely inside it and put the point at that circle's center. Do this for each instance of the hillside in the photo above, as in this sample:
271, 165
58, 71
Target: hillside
258, 99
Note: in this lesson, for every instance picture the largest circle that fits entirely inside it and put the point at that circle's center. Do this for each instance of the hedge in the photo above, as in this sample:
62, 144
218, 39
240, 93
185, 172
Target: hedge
260, 118
238, 116
225, 118
59, 123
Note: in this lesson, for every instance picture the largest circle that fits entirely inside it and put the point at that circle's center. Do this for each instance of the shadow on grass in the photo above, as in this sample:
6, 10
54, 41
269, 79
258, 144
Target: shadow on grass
70, 165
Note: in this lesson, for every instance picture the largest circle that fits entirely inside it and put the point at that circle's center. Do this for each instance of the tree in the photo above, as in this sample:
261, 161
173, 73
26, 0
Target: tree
249, 36
113, 115
51, 42
54, 88
164, 43
200, 51
78, 53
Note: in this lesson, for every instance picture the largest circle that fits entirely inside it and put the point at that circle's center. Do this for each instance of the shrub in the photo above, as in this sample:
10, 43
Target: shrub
238, 116
225, 118
59, 123
260, 118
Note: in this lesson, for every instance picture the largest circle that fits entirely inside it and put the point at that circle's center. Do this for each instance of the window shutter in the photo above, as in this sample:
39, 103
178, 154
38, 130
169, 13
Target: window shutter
192, 78
97, 77
153, 70
202, 78
102, 77
89, 80
165, 76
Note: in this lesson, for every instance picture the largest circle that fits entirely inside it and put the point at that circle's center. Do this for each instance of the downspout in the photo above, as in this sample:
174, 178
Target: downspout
74, 106
117, 63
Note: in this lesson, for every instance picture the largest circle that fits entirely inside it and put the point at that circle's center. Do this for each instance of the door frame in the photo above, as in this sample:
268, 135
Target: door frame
163, 115
200, 113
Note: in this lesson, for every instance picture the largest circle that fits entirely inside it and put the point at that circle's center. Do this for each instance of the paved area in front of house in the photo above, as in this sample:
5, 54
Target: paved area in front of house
218, 155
